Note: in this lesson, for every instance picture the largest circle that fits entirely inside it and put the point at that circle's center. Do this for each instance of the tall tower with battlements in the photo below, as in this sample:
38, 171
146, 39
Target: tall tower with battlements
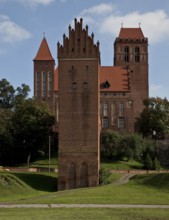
79, 127
131, 51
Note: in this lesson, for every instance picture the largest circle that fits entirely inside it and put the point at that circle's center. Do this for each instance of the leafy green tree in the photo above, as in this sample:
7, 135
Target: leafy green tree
7, 92
32, 124
118, 145
154, 120
110, 142
25, 124
10, 96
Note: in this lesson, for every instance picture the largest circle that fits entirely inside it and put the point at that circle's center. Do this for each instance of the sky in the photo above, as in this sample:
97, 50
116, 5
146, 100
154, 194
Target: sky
23, 23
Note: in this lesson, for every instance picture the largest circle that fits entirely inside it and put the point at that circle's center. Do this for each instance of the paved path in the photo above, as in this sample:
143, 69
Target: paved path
124, 179
37, 206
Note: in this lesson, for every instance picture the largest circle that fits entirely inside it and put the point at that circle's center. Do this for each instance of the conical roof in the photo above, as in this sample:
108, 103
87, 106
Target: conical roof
44, 51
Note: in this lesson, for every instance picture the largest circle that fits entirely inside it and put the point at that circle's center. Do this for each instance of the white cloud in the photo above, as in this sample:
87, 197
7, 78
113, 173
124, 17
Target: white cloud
99, 9
11, 32
154, 24
36, 2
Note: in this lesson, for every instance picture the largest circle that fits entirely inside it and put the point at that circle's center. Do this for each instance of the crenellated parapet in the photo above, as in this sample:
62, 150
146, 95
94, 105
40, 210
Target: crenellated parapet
78, 44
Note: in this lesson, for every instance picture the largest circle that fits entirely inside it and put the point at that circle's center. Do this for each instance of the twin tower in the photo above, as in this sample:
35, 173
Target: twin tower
87, 98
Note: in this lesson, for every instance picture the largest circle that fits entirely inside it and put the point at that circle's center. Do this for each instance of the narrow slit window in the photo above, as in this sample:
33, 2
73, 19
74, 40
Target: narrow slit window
85, 85
74, 85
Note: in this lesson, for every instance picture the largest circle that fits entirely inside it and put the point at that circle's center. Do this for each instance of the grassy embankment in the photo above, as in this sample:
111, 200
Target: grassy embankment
41, 188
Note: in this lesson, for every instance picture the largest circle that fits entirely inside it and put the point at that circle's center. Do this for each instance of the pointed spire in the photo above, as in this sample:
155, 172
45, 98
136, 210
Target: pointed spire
44, 51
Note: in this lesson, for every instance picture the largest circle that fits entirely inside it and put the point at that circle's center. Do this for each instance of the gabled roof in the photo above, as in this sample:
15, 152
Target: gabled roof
112, 79
131, 33
44, 51
116, 76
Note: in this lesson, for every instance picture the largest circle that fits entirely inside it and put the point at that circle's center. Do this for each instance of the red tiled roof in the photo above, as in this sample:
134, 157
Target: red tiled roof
133, 33
56, 80
44, 51
117, 78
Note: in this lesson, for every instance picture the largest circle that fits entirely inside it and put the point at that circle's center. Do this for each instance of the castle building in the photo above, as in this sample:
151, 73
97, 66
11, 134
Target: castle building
87, 98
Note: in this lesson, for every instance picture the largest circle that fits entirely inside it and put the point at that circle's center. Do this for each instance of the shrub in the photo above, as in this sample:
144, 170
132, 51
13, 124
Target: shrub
104, 176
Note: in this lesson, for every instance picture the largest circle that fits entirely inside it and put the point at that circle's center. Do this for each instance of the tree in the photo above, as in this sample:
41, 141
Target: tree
31, 126
154, 120
25, 124
7, 92
10, 96
118, 145
110, 142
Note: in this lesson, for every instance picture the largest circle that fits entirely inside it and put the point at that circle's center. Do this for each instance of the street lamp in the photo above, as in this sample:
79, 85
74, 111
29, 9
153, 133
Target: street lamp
49, 151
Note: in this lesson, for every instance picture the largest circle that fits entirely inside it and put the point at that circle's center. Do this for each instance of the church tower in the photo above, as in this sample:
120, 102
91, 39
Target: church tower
79, 127
44, 74
131, 51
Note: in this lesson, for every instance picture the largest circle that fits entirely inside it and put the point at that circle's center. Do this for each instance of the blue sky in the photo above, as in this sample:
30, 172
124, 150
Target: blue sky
23, 22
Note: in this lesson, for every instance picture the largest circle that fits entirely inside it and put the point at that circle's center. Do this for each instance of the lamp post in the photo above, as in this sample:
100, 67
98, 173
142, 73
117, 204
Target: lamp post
49, 151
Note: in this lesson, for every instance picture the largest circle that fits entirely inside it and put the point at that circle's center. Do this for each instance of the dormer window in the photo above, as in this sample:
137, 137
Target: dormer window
106, 85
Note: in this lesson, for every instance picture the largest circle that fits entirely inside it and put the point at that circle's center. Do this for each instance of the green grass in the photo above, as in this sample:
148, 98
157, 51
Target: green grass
121, 165
142, 189
40, 188
42, 163
19, 186
105, 163
84, 214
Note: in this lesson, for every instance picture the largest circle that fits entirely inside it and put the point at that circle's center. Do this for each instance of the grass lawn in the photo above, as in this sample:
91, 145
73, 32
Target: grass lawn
84, 213
43, 163
142, 189
40, 188
121, 165
28, 188
19, 186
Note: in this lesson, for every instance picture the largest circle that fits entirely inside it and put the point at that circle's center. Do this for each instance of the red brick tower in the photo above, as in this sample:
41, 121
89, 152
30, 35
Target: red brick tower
131, 50
44, 74
79, 131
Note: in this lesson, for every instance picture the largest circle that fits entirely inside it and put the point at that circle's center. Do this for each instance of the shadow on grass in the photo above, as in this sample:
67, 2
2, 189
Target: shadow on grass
39, 182
159, 181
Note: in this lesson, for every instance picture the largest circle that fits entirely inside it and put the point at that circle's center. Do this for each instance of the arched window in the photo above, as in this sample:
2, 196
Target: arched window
50, 83
37, 84
126, 54
84, 175
137, 54
105, 109
121, 109
113, 112
43, 84
72, 176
